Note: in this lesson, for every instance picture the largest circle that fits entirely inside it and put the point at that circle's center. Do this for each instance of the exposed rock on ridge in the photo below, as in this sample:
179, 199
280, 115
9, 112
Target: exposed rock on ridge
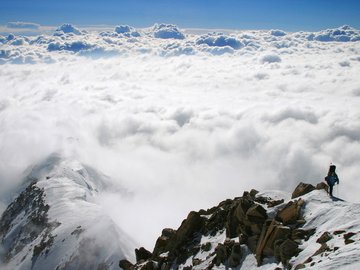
266, 227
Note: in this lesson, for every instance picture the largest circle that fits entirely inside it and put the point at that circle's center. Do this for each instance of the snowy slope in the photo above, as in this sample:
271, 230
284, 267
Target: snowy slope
55, 223
338, 218
332, 227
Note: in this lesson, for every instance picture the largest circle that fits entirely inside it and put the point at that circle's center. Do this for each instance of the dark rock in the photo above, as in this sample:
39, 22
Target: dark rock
262, 200
349, 241
235, 256
256, 228
206, 246
347, 237
339, 232
256, 214
126, 265
272, 203
232, 223
253, 193
221, 254
243, 239
163, 241
301, 234
142, 254
324, 247
326, 236
288, 249
218, 222
242, 208
252, 242
302, 189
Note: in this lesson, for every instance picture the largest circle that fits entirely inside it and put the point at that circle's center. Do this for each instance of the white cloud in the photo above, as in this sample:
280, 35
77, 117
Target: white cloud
166, 31
23, 25
341, 34
182, 132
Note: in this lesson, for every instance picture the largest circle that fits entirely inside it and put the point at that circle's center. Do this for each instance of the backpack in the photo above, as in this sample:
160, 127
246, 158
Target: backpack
331, 180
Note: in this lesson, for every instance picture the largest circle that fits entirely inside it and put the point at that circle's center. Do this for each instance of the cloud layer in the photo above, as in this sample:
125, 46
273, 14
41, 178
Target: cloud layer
159, 40
182, 124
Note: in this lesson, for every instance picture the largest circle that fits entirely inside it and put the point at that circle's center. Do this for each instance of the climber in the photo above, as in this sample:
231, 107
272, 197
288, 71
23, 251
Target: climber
331, 178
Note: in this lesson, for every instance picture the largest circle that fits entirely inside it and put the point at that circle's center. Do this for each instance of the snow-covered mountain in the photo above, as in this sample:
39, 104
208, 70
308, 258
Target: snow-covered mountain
54, 222
272, 230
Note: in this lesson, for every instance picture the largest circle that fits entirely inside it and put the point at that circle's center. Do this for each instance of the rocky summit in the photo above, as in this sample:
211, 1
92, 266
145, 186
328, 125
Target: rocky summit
260, 231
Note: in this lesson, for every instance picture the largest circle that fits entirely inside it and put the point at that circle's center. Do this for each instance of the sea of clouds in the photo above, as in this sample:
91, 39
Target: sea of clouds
182, 120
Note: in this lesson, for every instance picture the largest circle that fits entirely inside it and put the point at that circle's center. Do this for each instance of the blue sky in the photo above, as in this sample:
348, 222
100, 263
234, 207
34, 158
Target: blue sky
289, 15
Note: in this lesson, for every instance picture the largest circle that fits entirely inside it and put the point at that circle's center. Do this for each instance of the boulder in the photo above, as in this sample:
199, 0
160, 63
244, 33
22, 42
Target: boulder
253, 193
301, 234
142, 254
347, 237
323, 186
288, 249
235, 256
232, 223
291, 212
163, 241
256, 214
326, 236
272, 203
302, 189
272, 231
242, 208
221, 254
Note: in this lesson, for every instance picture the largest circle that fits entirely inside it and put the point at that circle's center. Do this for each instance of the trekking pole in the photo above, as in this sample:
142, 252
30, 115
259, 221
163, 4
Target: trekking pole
337, 190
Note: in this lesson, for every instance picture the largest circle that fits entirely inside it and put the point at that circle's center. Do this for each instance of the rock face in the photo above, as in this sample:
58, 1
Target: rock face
276, 236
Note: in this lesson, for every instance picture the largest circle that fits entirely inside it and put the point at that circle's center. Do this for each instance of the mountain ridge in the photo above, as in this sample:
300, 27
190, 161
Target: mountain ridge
268, 230
55, 223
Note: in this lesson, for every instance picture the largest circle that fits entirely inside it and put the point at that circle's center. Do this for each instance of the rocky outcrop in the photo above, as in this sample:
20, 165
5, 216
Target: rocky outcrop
302, 189
31, 207
244, 218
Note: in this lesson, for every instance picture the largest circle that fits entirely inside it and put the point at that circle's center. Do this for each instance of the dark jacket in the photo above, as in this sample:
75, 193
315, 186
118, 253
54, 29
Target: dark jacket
332, 179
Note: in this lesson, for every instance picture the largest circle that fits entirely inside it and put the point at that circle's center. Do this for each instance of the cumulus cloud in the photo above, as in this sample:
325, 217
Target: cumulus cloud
161, 40
23, 25
166, 31
219, 40
341, 34
277, 33
181, 132
66, 29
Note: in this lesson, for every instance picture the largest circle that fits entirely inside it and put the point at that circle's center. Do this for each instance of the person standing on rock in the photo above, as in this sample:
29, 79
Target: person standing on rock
331, 178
